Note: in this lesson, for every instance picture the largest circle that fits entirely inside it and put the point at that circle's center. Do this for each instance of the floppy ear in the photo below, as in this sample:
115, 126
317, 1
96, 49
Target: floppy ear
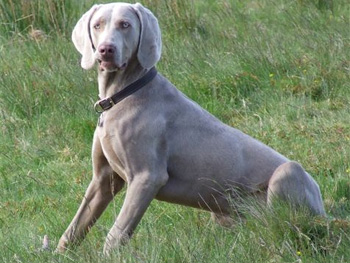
81, 38
150, 43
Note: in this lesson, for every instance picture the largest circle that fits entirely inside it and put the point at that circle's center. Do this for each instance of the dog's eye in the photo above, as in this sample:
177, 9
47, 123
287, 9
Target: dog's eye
124, 24
97, 26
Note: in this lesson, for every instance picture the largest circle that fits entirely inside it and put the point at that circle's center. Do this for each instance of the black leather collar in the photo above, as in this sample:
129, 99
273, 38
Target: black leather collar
107, 103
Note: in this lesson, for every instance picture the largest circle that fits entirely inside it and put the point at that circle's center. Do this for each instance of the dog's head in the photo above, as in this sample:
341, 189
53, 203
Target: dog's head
112, 34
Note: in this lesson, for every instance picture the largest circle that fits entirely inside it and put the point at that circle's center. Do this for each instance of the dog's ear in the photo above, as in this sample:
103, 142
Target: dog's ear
81, 37
150, 43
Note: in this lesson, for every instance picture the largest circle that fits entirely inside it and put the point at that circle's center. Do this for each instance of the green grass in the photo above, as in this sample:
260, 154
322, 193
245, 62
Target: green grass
278, 70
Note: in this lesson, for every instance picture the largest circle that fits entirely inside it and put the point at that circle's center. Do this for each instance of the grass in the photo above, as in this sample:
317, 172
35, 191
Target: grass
278, 70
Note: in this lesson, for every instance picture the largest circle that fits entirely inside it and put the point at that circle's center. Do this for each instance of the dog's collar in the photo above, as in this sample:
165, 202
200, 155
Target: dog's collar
107, 103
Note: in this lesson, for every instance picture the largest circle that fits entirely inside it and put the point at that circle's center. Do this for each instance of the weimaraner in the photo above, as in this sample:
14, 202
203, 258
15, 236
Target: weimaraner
161, 143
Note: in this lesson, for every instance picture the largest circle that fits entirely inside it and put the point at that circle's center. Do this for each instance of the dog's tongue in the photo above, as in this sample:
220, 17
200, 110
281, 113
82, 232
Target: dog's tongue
111, 66
107, 65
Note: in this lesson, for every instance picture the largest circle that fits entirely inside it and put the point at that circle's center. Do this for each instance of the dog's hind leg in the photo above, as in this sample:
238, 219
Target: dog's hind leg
291, 183
104, 186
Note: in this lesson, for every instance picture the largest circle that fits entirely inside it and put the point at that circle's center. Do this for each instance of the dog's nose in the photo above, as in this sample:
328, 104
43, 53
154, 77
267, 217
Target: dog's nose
106, 50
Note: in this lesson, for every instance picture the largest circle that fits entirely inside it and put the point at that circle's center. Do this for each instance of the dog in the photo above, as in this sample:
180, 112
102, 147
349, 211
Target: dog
160, 143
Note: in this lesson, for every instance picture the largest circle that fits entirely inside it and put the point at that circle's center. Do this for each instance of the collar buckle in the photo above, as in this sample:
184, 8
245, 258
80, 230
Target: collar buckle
103, 105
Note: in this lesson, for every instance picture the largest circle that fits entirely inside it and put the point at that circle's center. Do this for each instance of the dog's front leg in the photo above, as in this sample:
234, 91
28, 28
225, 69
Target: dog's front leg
104, 186
141, 190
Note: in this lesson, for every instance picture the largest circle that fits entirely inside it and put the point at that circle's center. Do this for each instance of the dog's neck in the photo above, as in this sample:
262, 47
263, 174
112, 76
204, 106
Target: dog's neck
110, 83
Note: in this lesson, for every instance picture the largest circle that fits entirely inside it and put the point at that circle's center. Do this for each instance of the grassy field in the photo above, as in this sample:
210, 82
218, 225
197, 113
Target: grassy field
278, 70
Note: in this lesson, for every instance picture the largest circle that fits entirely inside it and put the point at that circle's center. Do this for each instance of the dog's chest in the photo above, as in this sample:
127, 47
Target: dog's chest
109, 145
114, 161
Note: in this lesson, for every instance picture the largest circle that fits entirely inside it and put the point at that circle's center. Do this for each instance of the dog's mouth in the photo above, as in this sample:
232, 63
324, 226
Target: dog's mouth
110, 66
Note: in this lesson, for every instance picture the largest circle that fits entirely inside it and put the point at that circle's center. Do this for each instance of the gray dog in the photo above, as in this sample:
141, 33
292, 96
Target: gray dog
160, 143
